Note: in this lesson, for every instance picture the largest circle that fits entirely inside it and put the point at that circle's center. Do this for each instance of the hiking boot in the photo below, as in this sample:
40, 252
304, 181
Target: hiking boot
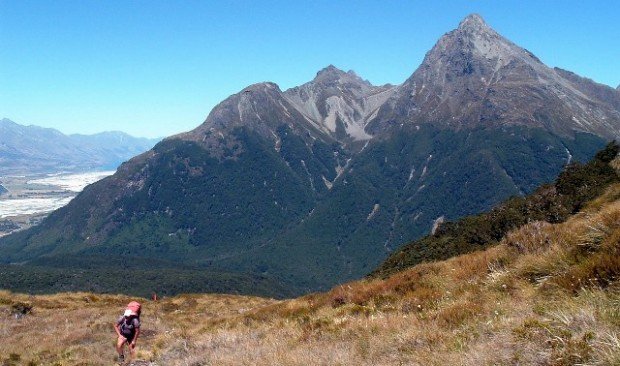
121, 358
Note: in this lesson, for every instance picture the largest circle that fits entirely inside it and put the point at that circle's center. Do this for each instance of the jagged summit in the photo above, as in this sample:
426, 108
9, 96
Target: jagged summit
340, 102
263, 86
332, 74
260, 107
6, 123
473, 22
330, 70
476, 36
12, 129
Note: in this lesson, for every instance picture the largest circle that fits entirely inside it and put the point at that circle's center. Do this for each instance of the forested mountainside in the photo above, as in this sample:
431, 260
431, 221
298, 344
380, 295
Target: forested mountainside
552, 203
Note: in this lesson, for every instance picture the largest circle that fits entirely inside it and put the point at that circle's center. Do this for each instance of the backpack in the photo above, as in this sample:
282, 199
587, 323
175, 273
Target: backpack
127, 326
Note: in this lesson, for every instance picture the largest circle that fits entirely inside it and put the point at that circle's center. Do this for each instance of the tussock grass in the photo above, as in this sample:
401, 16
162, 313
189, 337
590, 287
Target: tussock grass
548, 294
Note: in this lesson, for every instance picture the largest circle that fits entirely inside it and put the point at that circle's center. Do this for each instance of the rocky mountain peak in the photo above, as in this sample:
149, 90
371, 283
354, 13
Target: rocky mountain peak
473, 22
266, 86
474, 38
261, 108
330, 70
474, 76
339, 102
331, 74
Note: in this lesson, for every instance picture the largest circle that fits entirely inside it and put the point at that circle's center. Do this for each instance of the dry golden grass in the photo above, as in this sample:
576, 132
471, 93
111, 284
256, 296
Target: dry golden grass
547, 295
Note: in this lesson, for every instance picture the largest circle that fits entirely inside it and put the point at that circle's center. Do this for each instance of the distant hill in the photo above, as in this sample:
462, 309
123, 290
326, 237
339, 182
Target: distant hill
33, 149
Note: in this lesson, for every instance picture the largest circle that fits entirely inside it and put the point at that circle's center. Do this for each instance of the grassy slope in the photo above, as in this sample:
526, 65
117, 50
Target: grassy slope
547, 294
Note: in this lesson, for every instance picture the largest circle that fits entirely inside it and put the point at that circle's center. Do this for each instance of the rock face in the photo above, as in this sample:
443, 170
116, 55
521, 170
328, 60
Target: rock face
319, 183
340, 103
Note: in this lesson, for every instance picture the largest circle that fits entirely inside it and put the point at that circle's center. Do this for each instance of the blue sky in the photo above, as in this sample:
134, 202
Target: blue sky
155, 68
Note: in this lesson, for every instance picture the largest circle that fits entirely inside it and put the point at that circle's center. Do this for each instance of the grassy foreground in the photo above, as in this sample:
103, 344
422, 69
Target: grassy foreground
548, 294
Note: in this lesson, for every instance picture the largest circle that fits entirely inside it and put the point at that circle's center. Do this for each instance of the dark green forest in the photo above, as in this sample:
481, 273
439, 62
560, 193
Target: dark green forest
553, 203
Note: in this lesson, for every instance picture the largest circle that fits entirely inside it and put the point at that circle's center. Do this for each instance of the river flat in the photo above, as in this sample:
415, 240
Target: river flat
31, 198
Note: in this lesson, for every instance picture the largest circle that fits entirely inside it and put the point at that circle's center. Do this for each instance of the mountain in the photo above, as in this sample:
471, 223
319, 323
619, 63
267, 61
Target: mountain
318, 184
474, 77
3, 190
33, 149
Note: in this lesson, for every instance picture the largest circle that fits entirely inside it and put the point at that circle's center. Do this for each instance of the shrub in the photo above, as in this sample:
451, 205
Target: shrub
20, 309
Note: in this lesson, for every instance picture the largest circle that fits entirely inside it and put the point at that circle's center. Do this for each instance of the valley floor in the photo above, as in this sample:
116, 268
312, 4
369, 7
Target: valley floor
546, 295
30, 198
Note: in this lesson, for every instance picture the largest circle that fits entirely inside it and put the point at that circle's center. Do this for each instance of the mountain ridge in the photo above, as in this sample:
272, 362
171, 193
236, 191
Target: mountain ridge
34, 149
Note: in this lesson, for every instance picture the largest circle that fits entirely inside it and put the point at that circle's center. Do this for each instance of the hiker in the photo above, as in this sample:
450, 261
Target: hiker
128, 329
